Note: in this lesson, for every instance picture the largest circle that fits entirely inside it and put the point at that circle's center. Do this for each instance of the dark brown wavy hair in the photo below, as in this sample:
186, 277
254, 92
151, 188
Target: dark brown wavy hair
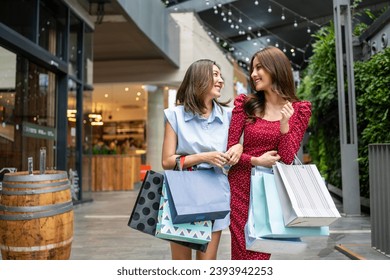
276, 63
197, 83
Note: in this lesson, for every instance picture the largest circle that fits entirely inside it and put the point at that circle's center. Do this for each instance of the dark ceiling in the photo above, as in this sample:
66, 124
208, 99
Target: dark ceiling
242, 27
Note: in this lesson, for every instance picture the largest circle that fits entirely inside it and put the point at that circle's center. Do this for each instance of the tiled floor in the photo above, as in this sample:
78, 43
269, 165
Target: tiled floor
101, 233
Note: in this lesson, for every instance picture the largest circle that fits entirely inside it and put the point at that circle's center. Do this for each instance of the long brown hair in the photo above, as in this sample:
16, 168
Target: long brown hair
276, 63
197, 83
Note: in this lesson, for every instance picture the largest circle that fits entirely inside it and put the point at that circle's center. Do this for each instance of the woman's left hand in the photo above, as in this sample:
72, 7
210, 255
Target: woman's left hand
287, 111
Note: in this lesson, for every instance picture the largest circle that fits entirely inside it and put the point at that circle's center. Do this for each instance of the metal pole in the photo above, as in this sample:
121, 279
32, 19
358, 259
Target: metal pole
348, 127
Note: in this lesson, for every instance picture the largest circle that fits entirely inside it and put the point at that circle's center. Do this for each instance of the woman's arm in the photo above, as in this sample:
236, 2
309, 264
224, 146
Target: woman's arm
169, 155
290, 141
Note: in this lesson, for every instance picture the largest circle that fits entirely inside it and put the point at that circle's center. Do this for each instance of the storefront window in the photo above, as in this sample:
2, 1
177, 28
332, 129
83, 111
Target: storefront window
19, 15
52, 27
88, 59
27, 102
74, 46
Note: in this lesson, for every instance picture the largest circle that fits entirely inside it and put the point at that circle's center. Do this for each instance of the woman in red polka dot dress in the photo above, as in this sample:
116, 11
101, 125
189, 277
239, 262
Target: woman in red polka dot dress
273, 121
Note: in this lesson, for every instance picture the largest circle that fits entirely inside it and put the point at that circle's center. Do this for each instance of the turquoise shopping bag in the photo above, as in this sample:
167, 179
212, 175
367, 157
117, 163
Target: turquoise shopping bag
268, 215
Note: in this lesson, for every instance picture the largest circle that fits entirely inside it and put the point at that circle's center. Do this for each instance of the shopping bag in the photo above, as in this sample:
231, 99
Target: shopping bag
197, 195
194, 232
144, 215
256, 243
303, 195
268, 216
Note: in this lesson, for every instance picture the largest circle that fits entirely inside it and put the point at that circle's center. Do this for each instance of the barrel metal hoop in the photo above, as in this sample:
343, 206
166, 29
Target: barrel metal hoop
37, 248
34, 178
28, 192
34, 186
58, 209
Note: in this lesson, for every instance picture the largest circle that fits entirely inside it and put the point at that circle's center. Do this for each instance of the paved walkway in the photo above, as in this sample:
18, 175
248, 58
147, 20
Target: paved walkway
101, 233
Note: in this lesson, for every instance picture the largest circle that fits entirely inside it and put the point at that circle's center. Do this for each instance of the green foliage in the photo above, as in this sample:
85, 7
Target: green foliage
372, 88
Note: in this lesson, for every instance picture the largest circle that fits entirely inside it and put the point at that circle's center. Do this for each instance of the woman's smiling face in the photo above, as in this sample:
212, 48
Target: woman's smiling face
261, 78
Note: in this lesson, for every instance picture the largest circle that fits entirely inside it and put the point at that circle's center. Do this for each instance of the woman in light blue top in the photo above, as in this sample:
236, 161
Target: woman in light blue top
197, 128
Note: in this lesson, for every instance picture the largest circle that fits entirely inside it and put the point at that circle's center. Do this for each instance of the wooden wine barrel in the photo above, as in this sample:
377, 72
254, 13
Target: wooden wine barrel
36, 216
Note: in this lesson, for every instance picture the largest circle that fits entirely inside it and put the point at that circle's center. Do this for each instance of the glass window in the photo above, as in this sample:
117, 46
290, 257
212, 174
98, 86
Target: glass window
19, 15
88, 56
74, 46
52, 27
28, 120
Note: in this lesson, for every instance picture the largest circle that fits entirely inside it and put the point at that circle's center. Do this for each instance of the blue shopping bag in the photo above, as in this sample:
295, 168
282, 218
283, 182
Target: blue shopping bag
267, 210
253, 242
197, 195
194, 232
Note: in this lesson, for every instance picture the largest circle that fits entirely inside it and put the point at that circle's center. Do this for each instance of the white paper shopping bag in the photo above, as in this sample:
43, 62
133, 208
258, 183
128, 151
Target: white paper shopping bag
304, 196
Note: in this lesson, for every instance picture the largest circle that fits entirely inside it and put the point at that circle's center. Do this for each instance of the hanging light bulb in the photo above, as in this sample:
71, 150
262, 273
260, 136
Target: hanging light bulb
277, 44
284, 49
283, 16
269, 9
224, 19
207, 2
229, 12
295, 23
258, 34
308, 29
229, 20
249, 37
240, 20
216, 11
256, 2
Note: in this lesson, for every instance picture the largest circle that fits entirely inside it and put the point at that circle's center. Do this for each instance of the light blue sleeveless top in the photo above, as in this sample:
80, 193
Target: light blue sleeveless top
196, 134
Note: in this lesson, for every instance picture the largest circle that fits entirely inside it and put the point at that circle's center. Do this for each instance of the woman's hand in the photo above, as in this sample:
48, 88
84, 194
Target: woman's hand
268, 159
234, 154
287, 111
218, 159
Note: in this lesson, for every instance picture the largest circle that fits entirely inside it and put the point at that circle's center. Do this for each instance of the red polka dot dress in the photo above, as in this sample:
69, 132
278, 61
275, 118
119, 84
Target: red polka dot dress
259, 137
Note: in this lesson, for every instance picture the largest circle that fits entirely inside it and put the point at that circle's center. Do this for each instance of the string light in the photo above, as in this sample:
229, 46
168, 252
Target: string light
256, 2
239, 20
